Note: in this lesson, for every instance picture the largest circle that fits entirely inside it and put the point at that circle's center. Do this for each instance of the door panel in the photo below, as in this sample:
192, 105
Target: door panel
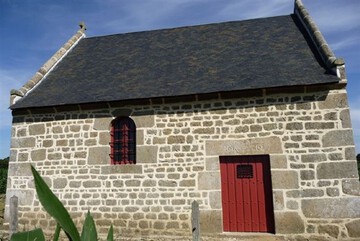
246, 194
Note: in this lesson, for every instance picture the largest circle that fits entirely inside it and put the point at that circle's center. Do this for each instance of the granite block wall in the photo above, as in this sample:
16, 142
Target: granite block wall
307, 135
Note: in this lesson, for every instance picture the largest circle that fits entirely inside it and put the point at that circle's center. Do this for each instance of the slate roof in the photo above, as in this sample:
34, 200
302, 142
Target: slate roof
220, 57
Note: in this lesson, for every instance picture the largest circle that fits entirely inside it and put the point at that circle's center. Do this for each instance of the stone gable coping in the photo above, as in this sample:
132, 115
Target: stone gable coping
15, 95
337, 65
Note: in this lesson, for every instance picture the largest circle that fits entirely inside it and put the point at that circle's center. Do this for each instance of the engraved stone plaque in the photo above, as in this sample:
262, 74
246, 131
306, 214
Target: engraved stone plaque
267, 145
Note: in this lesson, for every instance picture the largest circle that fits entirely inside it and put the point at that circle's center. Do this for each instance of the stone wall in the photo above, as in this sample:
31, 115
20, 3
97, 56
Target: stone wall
308, 137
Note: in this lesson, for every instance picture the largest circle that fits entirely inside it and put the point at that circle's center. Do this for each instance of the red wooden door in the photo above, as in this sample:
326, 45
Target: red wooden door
246, 194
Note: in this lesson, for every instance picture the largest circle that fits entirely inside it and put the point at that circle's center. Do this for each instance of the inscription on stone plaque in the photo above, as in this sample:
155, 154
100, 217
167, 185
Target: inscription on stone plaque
266, 145
238, 149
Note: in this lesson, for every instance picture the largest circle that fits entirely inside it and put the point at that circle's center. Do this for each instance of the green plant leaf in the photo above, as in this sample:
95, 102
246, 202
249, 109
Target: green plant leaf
89, 230
54, 207
33, 235
110, 236
57, 232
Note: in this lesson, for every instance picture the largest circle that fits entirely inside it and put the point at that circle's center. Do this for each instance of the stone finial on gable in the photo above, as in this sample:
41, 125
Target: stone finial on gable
336, 65
16, 95
82, 25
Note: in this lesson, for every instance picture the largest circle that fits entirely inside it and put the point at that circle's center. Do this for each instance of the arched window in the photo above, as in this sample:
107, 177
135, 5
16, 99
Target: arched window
123, 141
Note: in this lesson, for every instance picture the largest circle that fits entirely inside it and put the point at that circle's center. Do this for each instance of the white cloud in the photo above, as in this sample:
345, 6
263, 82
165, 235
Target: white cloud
349, 42
9, 80
152, 14
249, 9
335, 16
355, 121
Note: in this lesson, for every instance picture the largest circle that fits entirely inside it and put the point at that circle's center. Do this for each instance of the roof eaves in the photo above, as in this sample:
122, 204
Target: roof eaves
16, 95
334, 64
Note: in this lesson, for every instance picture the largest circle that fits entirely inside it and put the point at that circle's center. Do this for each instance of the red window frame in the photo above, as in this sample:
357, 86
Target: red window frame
123, 141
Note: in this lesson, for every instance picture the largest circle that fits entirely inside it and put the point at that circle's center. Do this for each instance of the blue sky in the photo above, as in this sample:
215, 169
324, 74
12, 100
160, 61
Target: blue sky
31, 31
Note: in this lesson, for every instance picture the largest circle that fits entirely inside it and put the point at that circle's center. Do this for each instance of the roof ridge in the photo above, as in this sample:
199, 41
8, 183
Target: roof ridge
15, 95
336, 65
169, 28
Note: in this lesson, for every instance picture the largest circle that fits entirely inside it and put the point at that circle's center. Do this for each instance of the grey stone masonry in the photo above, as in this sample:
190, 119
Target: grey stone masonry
307, 136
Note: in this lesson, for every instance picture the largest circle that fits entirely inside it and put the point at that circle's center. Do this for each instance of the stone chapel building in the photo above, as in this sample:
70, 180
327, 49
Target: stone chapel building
248, 118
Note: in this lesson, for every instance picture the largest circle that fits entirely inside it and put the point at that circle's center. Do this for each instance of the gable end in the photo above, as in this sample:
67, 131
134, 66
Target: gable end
15, 95
336, 65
